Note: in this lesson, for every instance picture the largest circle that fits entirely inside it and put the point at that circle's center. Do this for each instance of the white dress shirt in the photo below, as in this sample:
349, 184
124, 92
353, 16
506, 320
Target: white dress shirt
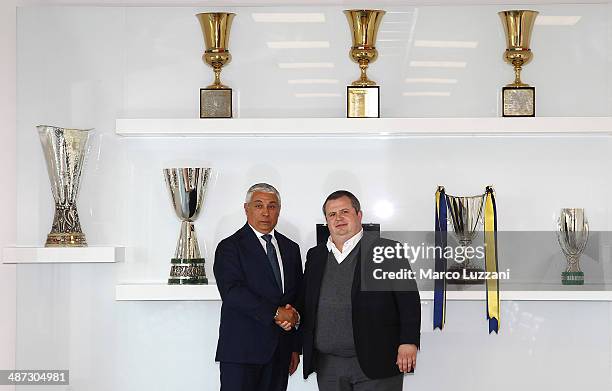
278, 254
349, 245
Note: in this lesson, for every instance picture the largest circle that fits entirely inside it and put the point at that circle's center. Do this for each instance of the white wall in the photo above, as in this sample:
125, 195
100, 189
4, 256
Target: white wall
8, 199
85, 67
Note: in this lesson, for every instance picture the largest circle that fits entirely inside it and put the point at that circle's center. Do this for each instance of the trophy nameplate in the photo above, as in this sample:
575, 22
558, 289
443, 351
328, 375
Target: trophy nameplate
518, 101
215, 103
362, 101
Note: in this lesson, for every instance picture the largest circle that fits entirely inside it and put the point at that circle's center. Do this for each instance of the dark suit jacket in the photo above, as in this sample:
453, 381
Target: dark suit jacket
250, 295
381, 320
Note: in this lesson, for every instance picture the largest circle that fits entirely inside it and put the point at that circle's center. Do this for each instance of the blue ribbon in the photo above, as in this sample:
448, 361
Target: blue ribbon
440, 264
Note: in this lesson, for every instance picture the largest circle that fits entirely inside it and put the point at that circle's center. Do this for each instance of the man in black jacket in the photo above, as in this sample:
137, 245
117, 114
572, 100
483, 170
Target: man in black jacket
352, 338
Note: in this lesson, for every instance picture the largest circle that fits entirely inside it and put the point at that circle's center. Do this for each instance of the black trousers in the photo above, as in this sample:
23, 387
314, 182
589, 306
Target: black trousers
272, 376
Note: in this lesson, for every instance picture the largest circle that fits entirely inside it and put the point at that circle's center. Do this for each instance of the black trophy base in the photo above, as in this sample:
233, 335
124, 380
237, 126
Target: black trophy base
187, 272
464, 274
363, 101
518, 101
215, 103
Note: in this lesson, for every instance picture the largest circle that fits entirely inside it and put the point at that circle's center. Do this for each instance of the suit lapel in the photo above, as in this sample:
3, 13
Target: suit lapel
318, 268
285, 255
365, 245
255, 248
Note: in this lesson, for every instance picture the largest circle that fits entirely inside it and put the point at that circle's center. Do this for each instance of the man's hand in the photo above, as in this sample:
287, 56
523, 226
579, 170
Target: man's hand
287, 317
406, 357
293, 364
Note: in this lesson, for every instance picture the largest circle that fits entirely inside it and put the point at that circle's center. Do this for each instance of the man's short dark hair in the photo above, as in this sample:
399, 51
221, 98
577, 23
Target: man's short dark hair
343, 193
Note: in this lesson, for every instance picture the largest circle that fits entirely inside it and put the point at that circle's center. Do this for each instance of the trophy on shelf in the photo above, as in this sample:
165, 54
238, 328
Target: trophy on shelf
64, 151
518, 98
573, 235
465, 215
363, 95
187, 188
216, 99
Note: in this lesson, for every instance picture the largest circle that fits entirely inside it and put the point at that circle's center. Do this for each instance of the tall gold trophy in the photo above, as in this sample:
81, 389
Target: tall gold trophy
363, 95
216, 99
518, 98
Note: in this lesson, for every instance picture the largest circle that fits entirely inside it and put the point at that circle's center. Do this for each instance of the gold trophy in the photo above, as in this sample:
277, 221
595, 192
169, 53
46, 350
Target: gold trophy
518, 98
363, 98
216, 99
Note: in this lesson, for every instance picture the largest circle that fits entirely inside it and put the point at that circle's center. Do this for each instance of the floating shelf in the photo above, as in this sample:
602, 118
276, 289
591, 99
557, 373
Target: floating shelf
63, 254
164, 292
363, 127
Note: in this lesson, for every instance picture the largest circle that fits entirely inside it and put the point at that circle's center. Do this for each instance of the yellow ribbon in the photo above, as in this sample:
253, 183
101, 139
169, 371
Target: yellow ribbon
491, 260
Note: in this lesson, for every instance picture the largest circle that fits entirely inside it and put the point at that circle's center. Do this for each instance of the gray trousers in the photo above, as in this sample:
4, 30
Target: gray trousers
344, 374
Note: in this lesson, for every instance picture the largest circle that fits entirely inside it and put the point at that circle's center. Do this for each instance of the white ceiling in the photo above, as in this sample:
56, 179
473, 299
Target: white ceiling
351, 3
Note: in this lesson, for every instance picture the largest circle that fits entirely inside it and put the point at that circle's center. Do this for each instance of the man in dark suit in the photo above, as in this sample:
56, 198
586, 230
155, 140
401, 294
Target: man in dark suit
259, 275
354, 339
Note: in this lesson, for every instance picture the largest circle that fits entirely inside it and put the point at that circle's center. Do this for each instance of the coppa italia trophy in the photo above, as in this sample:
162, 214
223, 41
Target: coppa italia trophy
187, 188
363, 95
64, 151
518, 98
465, 212
216, 99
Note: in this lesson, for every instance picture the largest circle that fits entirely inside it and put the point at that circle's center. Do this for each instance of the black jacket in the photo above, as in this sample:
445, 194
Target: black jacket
382, 320
247, 333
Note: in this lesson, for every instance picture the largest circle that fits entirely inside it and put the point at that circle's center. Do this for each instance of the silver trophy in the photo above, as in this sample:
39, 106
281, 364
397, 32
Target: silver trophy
572, 235
465, 213
64, 151
187, 187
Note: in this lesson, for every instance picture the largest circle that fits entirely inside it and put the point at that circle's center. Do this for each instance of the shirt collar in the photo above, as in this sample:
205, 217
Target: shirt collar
259, 234
348, 246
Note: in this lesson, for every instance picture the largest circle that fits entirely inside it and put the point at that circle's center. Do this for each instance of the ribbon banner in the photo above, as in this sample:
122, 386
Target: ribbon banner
466, 212
440, 265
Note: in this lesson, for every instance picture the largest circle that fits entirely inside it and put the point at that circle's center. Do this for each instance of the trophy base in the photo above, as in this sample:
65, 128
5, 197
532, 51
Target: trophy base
518, 101
69, 239
572, 278
187, 272
362, 101
215, 103
465, 271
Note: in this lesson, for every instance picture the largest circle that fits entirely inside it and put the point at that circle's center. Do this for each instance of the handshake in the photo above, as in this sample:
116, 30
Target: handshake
287, 317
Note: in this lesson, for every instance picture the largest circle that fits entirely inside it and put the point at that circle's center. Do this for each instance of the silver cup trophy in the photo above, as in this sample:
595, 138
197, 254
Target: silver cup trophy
572, 235
465, 213
187, 187
64, 151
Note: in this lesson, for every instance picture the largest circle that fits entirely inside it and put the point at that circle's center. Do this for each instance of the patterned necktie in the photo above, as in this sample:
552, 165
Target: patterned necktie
273, 259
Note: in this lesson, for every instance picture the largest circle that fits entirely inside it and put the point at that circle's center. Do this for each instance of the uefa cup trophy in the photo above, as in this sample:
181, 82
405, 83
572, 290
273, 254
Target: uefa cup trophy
216, 99
573, 235
465, 214
64, 151
518, 98
187, 188
363, 98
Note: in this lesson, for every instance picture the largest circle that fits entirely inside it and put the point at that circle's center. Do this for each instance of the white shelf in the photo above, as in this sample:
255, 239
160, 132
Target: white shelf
363, 127
560, 295
63, 254
164, 292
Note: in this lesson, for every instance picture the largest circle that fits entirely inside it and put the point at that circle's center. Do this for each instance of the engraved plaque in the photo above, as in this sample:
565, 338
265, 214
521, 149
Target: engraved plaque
518, 101
215, 103
362, 102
